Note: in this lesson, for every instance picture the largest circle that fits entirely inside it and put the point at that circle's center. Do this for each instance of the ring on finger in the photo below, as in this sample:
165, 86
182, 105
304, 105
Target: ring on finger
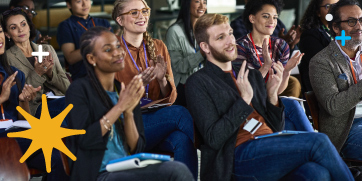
45, 67
241, 77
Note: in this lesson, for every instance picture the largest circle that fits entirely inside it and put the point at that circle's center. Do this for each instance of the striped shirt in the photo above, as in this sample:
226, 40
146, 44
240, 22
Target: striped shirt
280, 52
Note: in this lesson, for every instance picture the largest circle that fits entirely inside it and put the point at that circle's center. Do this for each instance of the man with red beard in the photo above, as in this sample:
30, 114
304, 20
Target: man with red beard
232, 106
335, 76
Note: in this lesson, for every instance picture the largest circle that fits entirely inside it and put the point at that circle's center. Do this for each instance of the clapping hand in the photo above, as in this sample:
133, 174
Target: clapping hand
292, 37
28, 93
266, 55
160, 67
6, 87
129, 97
46, 67
147, 75
43, 39
293, 62
274, 81
243, 84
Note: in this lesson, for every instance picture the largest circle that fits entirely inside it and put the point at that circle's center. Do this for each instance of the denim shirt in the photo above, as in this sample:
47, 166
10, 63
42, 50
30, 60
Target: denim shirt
115, 148
70, 31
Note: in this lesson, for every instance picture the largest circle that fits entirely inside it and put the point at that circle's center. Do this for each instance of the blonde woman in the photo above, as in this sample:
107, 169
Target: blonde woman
169, 129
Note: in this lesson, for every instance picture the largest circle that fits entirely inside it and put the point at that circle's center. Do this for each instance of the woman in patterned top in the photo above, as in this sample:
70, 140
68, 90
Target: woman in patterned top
261, 51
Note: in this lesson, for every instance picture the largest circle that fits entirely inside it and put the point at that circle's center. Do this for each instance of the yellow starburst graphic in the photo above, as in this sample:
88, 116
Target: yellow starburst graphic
46, 133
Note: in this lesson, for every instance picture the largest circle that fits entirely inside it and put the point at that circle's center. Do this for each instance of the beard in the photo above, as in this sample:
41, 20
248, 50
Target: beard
354, 43
222, 57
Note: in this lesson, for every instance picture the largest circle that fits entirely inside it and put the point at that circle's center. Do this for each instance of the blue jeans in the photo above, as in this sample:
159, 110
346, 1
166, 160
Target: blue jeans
171, 129
352, 148
274, 158
37, 161
295, 118
55, 106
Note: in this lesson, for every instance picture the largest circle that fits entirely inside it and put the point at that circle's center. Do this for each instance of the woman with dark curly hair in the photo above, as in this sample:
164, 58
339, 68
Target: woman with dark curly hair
261, 51
315, 36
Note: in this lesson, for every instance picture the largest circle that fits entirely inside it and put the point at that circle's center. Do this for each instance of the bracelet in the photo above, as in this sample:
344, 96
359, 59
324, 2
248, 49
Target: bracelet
105, 126
107, 120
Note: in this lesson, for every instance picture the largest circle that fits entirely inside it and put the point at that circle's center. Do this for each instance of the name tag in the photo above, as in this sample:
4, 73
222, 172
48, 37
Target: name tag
145, 101
252, 125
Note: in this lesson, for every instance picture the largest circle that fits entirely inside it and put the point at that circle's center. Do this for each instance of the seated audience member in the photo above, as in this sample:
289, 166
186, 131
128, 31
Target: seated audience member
261, 51
315, 37
28, 6
14, 92
170, 128
48, 74
292, 37
69, 33
185, 54
335, 75
221, 98
111, 115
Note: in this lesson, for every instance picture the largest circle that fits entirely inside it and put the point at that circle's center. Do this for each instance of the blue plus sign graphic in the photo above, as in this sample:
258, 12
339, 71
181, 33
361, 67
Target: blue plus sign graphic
343, 38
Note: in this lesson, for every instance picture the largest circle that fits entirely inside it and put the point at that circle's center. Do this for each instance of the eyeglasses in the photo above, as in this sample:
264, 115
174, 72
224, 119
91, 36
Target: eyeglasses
135, 13
327, 6
26, 8
7, 12
353, 21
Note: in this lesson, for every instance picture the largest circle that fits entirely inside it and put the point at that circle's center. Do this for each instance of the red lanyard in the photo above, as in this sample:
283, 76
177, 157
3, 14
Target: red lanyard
261, 64
86, 29
353, 74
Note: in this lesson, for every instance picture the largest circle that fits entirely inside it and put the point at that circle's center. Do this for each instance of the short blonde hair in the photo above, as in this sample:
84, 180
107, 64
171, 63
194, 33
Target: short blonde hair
204, 23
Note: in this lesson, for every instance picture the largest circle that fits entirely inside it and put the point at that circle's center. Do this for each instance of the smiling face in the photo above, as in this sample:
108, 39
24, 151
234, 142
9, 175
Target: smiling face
108, 55
197, 8
80, 8
355, 32
264, 21
18, 29
130, 24
221, 46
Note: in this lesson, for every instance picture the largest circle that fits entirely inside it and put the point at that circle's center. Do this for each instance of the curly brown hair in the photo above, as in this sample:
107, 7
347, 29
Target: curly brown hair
310, 18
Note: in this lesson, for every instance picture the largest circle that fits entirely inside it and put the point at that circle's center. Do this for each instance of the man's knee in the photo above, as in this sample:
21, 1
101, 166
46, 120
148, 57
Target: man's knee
309, 171
177, 171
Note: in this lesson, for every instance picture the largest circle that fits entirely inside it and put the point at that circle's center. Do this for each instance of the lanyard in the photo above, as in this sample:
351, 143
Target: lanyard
327, 32
86, 29
261, 64
134, 62
234, 74
353, 73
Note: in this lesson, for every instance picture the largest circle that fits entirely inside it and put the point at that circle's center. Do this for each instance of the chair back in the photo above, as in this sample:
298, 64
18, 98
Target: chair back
197, 137
64, 158
314, 108
10, 167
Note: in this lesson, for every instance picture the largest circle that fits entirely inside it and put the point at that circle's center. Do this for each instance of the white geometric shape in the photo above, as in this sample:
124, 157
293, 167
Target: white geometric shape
40, 53
329, 17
